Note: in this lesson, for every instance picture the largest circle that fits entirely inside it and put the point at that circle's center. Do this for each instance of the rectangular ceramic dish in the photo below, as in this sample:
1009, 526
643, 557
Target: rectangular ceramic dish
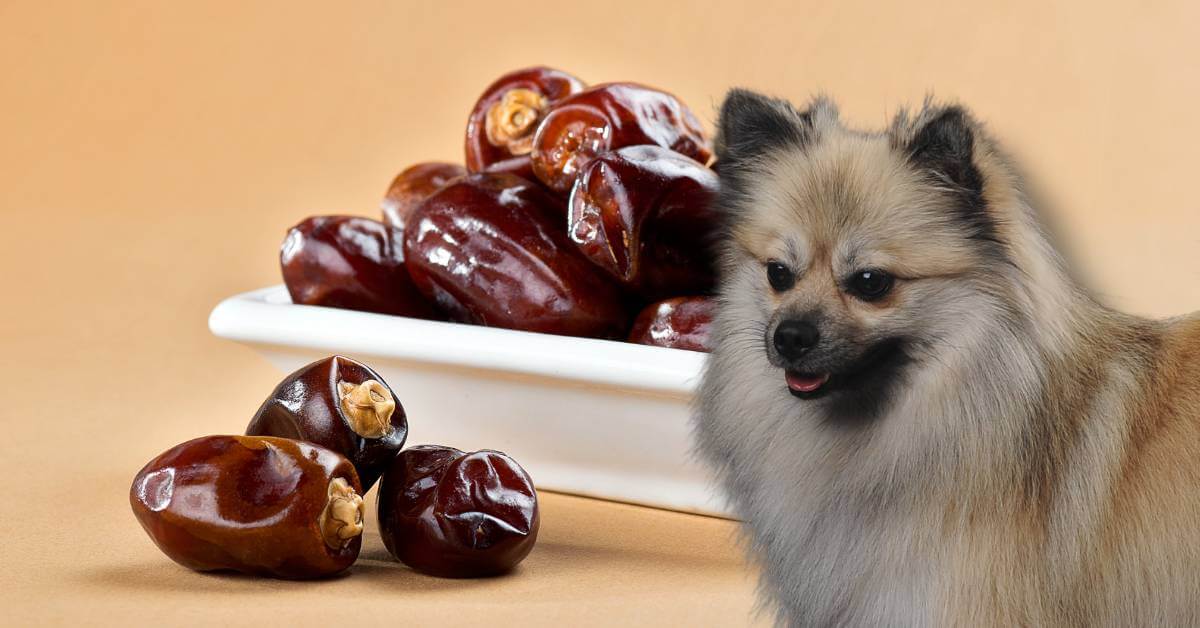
592, 417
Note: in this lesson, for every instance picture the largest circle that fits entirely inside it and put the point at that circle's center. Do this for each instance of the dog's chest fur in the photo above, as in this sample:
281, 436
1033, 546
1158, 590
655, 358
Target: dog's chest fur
837, 548
843, 561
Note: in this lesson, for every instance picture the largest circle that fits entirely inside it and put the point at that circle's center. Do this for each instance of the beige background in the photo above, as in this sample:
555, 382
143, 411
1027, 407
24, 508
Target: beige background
153, 153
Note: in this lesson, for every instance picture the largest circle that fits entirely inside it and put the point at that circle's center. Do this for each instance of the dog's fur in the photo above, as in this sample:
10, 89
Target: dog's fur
1023, 456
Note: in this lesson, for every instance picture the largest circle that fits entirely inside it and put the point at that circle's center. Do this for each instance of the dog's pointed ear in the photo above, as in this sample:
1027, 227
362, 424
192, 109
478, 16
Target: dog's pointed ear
752, 124
943, 143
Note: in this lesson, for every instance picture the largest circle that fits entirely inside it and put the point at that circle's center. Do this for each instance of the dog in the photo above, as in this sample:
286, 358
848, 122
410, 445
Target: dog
920, 416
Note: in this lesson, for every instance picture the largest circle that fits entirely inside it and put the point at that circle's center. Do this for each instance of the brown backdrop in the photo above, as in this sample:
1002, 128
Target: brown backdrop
153, 153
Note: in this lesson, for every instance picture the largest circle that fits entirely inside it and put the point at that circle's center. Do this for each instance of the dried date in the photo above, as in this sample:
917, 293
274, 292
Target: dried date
454, 514
257, 505
339, 404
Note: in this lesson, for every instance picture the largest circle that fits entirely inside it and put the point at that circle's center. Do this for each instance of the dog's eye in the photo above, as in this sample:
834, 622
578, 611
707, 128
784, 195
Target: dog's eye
780, 276
869, 285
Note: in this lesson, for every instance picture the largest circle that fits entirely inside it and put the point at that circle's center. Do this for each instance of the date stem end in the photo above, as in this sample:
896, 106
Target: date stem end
342, 518
368, 407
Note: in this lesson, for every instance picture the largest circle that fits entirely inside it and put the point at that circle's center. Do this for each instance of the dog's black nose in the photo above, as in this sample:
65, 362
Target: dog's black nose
794, 338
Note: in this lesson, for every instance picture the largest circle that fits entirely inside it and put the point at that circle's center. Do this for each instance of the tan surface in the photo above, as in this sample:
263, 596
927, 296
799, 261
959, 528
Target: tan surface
152, 154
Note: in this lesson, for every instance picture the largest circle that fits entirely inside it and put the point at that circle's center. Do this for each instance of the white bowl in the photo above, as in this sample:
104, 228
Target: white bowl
593, 417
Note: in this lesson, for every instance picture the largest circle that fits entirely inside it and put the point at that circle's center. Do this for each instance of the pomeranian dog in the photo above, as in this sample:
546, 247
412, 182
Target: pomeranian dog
918, 414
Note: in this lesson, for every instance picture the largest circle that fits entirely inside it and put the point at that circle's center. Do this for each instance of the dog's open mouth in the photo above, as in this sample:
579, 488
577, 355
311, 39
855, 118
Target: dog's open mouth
806, 385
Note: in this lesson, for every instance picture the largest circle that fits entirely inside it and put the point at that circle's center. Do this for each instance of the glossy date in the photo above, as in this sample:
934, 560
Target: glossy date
352, 263
491, 249
339, 404
454, 514
644, 215
501, 125
607, 117
680, 323
266, 506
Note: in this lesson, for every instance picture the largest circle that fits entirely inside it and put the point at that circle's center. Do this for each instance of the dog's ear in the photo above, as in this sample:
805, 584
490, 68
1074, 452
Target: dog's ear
943, 143
752, 124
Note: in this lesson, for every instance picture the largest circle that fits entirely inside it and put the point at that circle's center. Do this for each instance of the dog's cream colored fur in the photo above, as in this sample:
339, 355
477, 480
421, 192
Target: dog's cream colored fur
1038, 465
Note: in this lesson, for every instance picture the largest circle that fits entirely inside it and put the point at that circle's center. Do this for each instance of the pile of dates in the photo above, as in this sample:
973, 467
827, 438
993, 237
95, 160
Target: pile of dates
580, 210
286, 499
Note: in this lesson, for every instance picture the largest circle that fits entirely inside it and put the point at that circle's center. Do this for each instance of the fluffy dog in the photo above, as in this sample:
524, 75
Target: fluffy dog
921, 418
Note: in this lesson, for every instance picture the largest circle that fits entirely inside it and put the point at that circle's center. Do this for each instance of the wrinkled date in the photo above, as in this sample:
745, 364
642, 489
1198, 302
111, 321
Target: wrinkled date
607, 117
680, 323
266, 506
501, 125
352, 263
454, 514
414, 185
341, 405
643, 213
490, 249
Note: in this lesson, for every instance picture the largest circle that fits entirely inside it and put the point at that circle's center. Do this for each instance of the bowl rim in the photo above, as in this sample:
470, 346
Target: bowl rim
268, 316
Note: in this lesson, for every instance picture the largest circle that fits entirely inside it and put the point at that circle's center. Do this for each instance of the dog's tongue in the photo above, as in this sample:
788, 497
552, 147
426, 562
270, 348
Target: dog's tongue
805, 383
